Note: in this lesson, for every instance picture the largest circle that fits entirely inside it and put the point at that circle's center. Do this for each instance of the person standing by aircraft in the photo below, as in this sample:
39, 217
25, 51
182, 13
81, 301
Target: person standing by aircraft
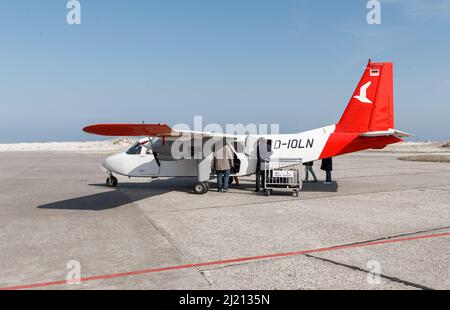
327, 166
264, 152
309, 169
222, 164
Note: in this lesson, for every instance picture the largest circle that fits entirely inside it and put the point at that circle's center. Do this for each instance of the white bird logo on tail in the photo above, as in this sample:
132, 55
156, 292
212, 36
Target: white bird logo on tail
363, 93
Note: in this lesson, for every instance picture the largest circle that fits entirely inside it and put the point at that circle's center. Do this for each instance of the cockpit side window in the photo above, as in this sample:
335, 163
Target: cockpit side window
135, 149
156, 143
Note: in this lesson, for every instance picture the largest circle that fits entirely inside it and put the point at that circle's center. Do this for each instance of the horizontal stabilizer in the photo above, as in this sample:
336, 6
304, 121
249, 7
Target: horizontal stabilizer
386, 133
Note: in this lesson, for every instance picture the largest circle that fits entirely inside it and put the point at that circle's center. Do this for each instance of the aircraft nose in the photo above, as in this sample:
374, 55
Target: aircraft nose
113, 163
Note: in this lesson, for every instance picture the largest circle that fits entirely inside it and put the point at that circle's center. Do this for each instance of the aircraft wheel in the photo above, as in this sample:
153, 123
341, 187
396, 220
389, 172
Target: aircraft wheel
200, 188
111, 181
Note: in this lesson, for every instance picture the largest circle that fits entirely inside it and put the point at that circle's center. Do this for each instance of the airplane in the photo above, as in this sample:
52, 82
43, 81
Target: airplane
367, 123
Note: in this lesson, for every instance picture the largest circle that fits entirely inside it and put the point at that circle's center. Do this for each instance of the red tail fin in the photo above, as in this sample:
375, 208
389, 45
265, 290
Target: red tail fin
371, 107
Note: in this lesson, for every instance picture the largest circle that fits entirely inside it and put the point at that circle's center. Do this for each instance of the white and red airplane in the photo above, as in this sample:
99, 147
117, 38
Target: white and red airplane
367, 123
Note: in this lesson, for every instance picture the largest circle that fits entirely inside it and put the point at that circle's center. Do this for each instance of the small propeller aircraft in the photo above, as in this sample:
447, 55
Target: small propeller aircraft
367, 123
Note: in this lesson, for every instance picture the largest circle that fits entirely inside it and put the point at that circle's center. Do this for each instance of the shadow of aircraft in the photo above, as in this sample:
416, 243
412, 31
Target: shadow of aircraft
128, 192
124, 194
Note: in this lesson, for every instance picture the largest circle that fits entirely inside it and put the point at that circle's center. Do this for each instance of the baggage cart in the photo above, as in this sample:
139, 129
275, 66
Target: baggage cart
283, 175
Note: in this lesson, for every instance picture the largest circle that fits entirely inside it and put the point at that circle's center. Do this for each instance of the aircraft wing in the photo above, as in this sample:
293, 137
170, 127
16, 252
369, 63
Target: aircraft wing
128, 130
149, 130
384, 133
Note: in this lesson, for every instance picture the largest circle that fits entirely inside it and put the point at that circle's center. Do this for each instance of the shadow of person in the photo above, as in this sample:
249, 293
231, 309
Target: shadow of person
124, 194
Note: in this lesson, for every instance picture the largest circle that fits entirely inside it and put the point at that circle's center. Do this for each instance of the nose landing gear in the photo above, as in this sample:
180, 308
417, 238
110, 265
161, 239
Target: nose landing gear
111, 181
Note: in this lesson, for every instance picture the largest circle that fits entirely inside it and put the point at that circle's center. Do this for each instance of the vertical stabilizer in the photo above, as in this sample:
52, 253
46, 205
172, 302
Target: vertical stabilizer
371, 107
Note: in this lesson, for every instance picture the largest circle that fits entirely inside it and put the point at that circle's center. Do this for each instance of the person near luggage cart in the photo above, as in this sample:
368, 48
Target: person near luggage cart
222, 164
309, 169
327, 166
264, 152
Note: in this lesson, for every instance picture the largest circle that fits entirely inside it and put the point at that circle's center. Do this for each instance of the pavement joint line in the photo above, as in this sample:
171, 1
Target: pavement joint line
227, 261
402, 235
301, 199
395, 174
356, 268
183, 252
244, 263
440, 189
356, 243
202, 272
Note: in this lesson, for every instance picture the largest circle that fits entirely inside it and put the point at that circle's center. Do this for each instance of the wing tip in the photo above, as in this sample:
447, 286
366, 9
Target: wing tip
89, 129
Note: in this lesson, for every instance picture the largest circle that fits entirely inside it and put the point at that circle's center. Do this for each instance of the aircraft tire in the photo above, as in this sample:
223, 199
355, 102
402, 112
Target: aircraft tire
111, 181
200, 188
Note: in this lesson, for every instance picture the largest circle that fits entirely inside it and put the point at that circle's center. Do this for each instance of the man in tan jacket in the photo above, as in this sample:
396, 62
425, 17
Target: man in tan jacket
222, 164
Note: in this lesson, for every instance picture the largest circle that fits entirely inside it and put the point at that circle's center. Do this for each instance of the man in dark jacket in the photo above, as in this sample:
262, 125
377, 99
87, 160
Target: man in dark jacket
264, 151
327, 166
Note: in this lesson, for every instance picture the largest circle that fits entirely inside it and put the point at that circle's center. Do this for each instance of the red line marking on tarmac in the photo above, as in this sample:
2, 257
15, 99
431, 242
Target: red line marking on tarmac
227, 261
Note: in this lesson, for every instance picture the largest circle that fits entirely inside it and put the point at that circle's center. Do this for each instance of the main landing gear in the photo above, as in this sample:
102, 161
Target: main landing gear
201, 188
111, 181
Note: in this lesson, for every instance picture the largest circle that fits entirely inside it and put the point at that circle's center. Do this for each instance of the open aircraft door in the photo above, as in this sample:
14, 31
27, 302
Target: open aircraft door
250, 153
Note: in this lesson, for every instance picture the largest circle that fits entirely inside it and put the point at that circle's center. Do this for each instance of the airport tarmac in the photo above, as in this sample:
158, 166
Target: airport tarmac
386, 213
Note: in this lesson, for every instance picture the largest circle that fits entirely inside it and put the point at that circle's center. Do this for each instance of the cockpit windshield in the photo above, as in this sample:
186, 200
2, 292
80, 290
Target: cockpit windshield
135, 149
156, 143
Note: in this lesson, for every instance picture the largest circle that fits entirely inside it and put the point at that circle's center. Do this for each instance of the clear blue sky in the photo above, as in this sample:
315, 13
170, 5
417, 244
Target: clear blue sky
290, 62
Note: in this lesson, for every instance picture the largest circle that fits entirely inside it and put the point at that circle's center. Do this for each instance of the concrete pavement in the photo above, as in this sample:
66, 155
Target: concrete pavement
55, 208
